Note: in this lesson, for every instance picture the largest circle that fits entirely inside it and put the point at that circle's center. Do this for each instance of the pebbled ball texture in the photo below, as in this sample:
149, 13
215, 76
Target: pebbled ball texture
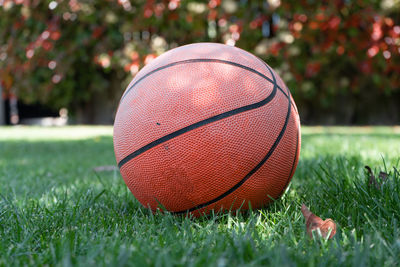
206, 127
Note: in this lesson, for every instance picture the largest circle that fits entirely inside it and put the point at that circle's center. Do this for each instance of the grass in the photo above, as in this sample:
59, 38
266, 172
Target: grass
56, 210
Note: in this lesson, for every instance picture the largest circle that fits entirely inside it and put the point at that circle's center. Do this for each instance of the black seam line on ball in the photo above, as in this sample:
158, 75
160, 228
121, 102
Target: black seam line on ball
255, 169
266, 65
194, 60
206, 121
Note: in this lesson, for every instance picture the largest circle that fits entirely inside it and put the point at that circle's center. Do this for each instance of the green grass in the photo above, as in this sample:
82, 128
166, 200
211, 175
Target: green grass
56, 210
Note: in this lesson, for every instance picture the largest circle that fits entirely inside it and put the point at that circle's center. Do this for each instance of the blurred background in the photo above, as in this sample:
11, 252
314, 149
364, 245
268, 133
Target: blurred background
69, 61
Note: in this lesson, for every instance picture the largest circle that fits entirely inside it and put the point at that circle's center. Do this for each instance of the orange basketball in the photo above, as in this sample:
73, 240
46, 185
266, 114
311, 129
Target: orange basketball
206, 127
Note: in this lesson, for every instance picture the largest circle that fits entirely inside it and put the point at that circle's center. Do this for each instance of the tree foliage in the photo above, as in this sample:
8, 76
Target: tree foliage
65, 53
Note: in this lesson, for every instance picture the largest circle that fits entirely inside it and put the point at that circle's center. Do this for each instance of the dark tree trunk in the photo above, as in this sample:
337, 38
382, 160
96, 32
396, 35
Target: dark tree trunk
102, 106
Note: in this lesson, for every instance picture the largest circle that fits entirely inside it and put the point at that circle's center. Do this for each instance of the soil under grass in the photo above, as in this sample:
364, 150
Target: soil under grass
58, 208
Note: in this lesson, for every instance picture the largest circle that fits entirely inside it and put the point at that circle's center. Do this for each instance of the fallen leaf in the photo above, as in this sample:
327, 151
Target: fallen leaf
313, 223
383, 176
372, 180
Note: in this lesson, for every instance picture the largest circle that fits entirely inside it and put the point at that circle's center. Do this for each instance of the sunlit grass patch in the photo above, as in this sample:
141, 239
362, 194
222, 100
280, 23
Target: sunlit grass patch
32, 133
57, 207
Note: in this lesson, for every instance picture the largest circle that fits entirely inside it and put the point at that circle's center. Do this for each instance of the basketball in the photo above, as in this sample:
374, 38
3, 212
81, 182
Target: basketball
206, 127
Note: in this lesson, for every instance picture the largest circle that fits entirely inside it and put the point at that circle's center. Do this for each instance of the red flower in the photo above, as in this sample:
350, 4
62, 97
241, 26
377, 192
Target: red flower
365, 67
312, 68
334, 23
55, 35
97, 32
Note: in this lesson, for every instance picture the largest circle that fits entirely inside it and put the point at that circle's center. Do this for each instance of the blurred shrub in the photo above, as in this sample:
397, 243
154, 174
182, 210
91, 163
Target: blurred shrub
82, 54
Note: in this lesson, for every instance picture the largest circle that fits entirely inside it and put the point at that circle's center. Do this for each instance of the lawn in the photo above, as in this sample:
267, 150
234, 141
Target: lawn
62, 203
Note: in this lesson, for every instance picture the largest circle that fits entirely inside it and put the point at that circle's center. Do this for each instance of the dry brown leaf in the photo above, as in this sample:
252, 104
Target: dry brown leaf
383, 176
372, 180
314, 222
